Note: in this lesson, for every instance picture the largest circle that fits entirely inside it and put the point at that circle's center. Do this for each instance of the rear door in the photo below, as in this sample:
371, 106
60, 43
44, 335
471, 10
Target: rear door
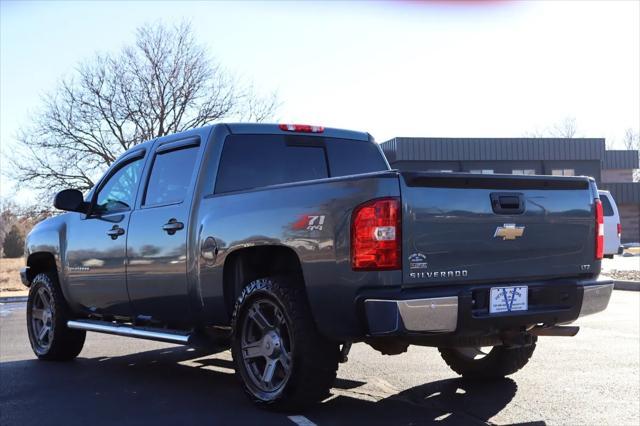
466, 228
157, 241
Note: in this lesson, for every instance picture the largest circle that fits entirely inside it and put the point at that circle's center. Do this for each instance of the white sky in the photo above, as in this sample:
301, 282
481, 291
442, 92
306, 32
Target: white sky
496, 68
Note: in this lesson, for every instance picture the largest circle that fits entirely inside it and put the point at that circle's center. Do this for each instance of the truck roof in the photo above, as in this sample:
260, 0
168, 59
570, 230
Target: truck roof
262, 128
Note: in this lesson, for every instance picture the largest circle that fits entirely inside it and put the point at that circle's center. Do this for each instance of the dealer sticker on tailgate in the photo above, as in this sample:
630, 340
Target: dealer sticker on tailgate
508, 299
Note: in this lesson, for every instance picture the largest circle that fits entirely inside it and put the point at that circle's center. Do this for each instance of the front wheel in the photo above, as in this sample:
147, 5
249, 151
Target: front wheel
280, 357
47, 316
487, 362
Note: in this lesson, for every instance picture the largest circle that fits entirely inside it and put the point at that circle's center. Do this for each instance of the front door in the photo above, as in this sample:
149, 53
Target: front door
157, 241
96, 243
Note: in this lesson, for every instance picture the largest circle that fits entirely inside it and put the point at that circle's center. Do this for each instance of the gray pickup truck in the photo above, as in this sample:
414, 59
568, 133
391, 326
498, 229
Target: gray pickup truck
290, 242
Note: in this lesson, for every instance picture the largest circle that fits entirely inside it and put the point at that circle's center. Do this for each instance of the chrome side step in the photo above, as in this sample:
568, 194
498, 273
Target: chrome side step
131, 331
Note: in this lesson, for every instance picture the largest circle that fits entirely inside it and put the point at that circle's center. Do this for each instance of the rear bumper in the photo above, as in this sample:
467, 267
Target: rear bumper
463, 310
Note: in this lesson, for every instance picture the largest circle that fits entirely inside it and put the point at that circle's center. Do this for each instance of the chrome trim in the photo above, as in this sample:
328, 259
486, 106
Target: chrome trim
595, 298
129, 331
437, 315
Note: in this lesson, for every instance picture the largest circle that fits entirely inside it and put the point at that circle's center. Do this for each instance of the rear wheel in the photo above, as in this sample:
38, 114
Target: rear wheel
487, 362
281, 359
47, 316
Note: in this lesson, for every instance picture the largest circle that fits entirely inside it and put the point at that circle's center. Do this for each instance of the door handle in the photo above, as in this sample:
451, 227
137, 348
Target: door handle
172, 226
115, 232
507, 202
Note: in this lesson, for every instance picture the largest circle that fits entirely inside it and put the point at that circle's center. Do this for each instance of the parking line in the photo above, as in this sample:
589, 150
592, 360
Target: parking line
301, 421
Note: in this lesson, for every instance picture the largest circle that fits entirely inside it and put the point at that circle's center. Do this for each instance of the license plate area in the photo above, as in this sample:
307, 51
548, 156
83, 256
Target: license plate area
508, 299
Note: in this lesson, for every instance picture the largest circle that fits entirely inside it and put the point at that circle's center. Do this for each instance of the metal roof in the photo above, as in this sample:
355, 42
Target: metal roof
460, 149
623, 193
620, 159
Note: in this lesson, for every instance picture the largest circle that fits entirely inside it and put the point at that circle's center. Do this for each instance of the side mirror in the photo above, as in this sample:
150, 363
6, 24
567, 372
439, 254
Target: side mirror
70, 200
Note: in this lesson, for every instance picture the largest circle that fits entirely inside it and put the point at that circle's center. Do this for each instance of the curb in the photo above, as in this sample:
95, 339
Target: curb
13, 299
627, 285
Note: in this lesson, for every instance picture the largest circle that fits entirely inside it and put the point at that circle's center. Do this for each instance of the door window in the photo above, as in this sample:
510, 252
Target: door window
523, 172
119, 192
171, 176
563, 172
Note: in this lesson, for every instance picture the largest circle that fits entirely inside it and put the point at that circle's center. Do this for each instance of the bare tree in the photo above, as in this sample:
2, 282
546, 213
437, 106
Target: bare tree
566, 128
631, 139
164, 83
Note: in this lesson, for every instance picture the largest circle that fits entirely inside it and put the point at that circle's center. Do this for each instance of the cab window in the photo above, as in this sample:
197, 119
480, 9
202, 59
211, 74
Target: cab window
171, 176
119, 192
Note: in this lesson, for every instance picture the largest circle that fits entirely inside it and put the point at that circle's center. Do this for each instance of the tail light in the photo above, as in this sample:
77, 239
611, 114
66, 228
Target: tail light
375, 235
619, 231
302, 128
599, 230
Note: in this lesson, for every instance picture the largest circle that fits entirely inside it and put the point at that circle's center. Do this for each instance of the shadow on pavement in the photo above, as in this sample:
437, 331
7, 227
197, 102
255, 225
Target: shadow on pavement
186, 386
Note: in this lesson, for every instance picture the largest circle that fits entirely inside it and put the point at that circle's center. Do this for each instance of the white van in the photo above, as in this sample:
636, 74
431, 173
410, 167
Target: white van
612, 227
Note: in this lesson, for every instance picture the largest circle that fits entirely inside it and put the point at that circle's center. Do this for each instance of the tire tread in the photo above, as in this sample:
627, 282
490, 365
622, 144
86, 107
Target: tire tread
315, 358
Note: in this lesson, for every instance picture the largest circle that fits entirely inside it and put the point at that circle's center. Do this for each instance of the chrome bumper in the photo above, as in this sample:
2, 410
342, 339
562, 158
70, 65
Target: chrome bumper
433, 315
440, 314
595, 298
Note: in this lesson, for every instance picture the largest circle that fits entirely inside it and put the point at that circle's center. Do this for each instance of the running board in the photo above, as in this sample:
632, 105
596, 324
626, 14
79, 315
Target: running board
159, 335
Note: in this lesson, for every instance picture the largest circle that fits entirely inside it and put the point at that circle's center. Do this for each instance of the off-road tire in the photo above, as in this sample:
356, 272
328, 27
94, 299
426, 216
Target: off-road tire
314, 357
65, 343
500, 362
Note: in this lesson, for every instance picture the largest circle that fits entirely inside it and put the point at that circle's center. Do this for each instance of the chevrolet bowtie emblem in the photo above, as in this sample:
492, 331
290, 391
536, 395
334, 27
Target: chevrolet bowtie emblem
509, 231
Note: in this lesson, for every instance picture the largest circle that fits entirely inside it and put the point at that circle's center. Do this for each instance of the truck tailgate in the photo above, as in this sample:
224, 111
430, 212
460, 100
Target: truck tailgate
502, 228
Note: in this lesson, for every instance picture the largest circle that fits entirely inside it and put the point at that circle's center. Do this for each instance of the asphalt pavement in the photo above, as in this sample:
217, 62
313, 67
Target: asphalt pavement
589, 379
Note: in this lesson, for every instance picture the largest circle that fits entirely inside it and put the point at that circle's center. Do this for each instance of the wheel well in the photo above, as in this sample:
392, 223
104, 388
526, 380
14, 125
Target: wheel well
249, 264
40, 262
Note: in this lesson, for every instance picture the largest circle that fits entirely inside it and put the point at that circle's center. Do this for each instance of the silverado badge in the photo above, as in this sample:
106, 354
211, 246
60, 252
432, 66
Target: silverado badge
509, 231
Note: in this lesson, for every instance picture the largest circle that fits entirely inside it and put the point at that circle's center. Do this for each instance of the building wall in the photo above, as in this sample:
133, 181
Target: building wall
617, 175
582, 168
630, 220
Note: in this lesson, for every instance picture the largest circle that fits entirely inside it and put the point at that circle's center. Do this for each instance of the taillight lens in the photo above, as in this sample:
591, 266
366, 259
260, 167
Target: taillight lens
375, 235
619, 231
302, 128
599, 230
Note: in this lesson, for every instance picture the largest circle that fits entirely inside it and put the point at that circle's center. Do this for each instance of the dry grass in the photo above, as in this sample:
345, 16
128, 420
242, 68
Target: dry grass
633, 250
10, 275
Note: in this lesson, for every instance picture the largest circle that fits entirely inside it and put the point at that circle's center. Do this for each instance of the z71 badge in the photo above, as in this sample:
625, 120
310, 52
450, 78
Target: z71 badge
310, 223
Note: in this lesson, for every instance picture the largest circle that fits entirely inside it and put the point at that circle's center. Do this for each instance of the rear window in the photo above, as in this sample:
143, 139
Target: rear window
606, 206
351, 157
254, 161
250, 161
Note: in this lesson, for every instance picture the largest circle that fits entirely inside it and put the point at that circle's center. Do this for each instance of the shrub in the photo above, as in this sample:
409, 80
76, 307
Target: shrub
13, 245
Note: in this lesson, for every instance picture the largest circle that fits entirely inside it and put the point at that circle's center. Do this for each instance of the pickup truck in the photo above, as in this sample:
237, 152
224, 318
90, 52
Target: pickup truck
288, 243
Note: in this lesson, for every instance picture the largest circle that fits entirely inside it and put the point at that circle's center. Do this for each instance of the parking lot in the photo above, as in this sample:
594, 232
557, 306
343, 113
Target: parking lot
592, 378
